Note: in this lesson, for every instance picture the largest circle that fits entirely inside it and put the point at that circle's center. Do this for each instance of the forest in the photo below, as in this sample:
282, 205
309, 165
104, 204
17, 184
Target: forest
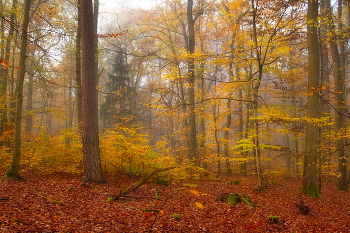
187, 116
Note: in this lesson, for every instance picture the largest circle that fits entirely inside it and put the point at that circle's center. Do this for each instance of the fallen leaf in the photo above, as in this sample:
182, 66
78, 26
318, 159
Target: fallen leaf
199, 205
194, 192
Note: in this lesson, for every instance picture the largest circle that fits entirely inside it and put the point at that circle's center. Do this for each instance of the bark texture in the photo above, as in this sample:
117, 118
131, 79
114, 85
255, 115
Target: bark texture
310, 184
13, 171
92, 162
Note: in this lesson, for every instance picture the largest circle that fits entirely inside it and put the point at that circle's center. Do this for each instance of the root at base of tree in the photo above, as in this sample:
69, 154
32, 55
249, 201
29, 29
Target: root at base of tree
302, 208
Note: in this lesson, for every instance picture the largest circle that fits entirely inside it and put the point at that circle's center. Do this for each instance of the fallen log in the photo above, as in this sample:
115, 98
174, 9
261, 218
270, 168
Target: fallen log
136, 185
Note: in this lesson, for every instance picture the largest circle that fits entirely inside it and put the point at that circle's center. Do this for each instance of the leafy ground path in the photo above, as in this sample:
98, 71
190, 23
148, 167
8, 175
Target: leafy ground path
63, 204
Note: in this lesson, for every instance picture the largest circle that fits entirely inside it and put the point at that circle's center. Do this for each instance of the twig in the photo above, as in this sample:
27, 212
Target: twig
49, 199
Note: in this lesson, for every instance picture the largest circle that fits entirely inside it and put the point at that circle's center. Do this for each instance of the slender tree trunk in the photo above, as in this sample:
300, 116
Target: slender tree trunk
13, 171
256, 86
216, 114
191, 79
78, 71
227, 139
3, 89
92, 162
29, 103
5, 72
310, 185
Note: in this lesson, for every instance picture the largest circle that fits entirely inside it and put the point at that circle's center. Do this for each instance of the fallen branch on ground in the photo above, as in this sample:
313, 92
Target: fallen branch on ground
136, 185
49, 199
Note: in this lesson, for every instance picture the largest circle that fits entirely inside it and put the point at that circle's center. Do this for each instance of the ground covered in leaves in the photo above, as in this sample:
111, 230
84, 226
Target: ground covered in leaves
59, 203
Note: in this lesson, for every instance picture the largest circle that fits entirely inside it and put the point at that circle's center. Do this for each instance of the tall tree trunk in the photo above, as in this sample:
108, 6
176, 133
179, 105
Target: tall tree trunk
5, 72
340, 118
29, 103
92, 162
227, 139
310, 184
325, 82
78, 71
216, 114
96, 11
191, 79
256, 86
3, 89
13, 171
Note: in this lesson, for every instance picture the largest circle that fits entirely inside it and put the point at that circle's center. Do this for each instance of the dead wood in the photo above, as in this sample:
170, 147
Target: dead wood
133, 187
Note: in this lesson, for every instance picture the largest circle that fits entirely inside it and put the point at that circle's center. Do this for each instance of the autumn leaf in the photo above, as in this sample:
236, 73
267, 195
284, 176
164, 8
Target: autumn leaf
199, 205
4, 63
148, 214
194, 192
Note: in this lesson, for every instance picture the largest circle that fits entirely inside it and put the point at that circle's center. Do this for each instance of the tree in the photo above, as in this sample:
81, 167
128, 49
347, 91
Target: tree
190, 44
91, 152
340, 118
6, 56
13, 171
78, 69
117, 102
310, 185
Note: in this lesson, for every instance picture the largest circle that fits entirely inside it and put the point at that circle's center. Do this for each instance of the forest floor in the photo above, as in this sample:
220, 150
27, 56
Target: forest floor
57, 203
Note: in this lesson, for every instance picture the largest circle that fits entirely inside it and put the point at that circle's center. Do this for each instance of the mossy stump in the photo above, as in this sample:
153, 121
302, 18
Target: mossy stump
234, 198
235, 182
273, 219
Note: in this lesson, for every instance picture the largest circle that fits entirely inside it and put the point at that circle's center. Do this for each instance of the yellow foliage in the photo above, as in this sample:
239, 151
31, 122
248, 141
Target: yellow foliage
48, 154
125, 150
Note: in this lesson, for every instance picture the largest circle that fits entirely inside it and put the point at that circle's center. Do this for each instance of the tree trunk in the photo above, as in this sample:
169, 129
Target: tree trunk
310, 185
78, 71
5, 72
13, 171
96, 11
3, 89
92, 162
256, 86
340, 117
227, 139
191, 80
29, 104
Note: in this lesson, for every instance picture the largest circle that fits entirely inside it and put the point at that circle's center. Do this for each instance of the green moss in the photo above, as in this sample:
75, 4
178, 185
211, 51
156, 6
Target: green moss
176, 217
13, 174
109, 199
273, 219
235, 182
164, 181
232, 199
262, 189
311, 191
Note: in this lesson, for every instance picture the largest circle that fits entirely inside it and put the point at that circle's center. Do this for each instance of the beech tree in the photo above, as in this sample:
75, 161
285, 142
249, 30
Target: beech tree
13, 171
78, 88
310, 184
6, 52
91, 152
190, 46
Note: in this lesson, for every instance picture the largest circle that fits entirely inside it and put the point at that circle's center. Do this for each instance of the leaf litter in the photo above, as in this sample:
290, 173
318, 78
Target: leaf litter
57, 203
